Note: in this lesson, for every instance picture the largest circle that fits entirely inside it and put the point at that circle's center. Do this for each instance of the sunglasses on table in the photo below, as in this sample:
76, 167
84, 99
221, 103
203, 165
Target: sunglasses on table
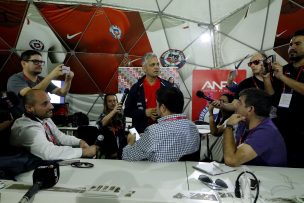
218, 184
255, 62
36, 62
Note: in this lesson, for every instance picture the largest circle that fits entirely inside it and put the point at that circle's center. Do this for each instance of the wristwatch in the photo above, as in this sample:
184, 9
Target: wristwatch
230, 126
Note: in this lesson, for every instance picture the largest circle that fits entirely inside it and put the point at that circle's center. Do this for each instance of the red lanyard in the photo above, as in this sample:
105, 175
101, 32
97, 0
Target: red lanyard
175, 118
301, 69
49, 134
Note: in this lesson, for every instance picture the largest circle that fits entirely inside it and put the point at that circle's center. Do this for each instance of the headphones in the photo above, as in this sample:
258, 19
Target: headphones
237, 191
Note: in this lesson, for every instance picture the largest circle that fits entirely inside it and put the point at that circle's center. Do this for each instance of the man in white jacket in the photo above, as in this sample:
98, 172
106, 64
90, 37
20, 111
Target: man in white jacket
39, 135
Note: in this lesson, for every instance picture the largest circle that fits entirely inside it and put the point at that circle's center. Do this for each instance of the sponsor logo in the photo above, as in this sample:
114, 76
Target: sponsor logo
173, 57
115, 31
281, 33
36, 45
72, 36
212, 85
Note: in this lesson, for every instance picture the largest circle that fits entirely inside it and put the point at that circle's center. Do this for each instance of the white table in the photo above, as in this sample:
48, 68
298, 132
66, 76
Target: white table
275, 182
130, 174
158, 180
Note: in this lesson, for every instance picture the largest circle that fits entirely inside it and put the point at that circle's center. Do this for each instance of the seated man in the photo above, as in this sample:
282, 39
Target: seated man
38, 134
171, 138
257, 141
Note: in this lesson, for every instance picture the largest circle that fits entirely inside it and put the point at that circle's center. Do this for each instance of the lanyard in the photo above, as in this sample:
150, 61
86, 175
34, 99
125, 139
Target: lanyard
49, 134
175, 118
300, 70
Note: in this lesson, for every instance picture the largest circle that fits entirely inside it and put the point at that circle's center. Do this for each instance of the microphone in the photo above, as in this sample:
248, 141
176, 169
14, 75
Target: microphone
124, 96
200, 94
43, 177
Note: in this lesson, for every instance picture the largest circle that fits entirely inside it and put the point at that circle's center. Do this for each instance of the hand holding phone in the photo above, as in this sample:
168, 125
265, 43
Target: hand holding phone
134, 131
65, 69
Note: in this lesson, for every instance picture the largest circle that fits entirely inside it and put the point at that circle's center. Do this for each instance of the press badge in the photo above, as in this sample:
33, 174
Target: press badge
285, 100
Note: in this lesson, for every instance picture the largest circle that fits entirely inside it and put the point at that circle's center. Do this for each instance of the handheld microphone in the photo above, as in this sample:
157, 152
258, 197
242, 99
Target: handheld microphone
43, 177
200, 94
124, 96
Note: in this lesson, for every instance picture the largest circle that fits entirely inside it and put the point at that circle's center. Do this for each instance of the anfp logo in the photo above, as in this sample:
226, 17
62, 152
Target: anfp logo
214, 85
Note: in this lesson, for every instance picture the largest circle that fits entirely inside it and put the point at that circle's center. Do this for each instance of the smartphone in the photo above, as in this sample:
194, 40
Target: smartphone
65, 69
134, 131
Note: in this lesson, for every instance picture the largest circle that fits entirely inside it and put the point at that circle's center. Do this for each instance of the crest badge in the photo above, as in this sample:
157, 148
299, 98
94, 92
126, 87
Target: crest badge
36, 45
173, 57
115, 31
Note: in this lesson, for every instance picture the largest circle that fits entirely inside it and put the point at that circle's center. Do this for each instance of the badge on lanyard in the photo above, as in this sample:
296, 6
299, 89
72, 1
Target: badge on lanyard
285, 100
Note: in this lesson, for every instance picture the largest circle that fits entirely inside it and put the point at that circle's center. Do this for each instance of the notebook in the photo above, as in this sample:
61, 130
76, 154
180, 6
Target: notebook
213, 168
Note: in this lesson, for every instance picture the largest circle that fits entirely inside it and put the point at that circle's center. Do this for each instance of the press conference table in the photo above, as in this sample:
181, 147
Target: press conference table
160, 177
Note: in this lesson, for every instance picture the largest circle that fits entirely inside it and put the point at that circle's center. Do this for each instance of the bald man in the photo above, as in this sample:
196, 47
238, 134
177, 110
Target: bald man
39, 135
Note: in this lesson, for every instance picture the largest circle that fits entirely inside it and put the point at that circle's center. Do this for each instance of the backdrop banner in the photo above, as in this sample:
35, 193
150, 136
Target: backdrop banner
213, 84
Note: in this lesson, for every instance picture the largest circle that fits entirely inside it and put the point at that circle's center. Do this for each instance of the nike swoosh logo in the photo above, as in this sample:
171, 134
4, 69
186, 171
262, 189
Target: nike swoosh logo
72, 36
279, 35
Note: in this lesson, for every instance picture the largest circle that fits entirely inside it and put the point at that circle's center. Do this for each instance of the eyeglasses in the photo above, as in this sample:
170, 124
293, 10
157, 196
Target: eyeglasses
255, 62
218, 184
36, 62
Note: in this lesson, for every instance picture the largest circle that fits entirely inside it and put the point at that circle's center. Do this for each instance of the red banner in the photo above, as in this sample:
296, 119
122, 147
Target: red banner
213, 84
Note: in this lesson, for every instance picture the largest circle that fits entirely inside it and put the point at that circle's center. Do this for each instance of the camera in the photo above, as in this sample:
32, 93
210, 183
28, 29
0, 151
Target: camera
268, 63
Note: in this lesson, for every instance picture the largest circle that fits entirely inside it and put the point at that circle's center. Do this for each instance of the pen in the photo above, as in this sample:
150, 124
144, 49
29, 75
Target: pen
219, 168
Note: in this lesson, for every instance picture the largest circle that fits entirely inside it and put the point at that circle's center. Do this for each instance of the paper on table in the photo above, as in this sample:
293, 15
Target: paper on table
213, 168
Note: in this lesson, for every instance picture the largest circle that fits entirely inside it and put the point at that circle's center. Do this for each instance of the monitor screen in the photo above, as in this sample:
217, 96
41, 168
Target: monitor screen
55, 99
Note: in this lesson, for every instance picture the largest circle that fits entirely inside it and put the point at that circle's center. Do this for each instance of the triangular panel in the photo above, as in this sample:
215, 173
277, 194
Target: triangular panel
11, 18
199, 10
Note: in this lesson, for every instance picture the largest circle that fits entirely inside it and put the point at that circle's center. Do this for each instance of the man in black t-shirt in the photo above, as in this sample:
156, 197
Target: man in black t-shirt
289, 93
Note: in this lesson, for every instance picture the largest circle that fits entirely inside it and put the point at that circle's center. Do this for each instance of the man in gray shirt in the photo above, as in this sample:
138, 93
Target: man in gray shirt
31, 62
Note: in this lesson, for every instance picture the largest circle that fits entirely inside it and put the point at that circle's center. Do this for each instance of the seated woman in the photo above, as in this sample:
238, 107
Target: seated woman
217, 129
111, 124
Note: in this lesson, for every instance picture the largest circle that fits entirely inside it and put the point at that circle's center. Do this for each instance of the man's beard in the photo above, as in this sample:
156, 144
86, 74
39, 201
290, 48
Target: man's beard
35, 73
294, 57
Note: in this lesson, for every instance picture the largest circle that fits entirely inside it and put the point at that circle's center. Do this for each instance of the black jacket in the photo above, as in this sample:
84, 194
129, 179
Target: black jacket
135, 105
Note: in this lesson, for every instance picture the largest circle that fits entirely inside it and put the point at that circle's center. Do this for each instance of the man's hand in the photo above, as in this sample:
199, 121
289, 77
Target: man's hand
235, 119
69, 76
131, 139
89, 151
56, 72
277, 70
83, 144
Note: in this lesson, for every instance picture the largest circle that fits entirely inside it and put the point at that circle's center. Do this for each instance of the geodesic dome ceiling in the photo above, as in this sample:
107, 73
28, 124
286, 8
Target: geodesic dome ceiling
94, 38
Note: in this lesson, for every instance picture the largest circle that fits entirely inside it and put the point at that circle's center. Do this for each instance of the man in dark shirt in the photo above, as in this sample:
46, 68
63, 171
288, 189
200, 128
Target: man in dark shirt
141, 102
289, 93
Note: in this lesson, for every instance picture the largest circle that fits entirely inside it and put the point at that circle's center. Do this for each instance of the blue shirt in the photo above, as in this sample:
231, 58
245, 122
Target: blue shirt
266, 140
166, 141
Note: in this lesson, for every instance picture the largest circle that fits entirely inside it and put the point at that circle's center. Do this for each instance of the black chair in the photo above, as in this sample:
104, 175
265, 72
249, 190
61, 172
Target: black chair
87, 133
195, 156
